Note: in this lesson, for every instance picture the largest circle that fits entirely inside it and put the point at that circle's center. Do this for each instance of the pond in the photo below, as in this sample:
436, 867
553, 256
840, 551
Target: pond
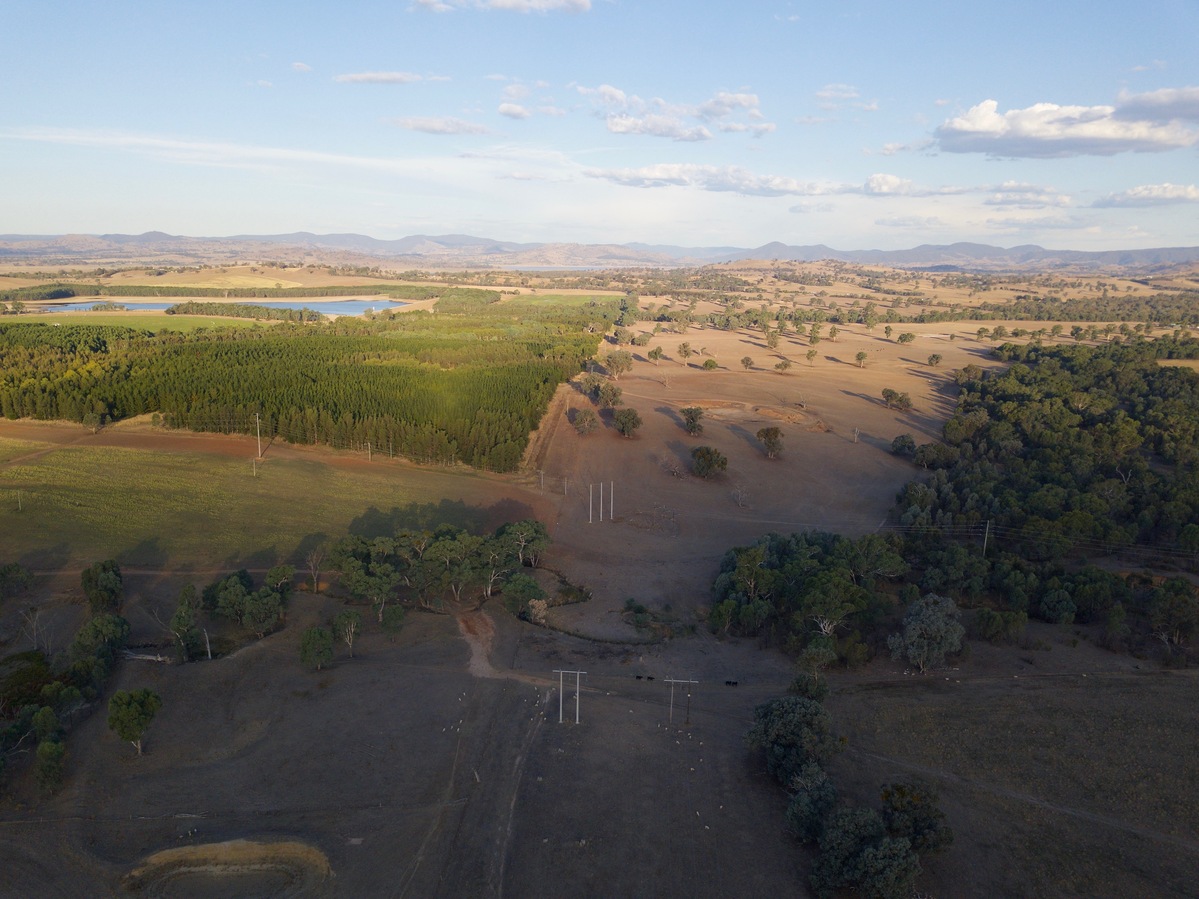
317, 304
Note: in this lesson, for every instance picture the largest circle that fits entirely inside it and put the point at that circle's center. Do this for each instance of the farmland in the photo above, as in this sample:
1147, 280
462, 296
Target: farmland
434, 764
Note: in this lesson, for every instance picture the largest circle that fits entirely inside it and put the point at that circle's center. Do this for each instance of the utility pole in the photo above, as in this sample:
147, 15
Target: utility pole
986, 534
561, 674
258, 431
672, 681
601, 501
611, 500
590, 503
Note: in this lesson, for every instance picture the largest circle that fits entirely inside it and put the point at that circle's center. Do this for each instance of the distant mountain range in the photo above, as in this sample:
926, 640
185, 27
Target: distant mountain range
448, 251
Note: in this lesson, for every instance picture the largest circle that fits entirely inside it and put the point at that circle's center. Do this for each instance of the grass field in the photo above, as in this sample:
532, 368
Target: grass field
180, 510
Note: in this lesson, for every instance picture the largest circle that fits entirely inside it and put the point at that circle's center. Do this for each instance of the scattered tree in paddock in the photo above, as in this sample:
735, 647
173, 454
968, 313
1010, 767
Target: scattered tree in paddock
931, 631
346, 627
860, 358
692, 420
103, 586
618, 363
626, 422
585, 421
772, 440
130, 714
707, 462
316, 647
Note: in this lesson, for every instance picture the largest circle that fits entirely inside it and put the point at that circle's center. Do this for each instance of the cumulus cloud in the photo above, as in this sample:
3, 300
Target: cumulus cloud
725, 103
727, 111
886, 185
441, 125
1047, 130
1151, 195
657, 126
514, 111
301, 67
1171, 104
378, 78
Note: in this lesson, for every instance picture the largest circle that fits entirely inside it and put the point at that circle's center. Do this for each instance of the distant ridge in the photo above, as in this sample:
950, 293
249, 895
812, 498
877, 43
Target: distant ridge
422, 251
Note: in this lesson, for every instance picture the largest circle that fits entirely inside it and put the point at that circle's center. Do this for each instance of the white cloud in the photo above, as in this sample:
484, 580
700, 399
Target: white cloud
1044, 223
1166, 105
378, 78
657, 126
725, 104
441, 125
714, 178
607, 95
514, 111
886, 185
516, 91
301, 67
213, 153
630, 114
1046, 130
911, 222
1025, 196
837, 93
1151, 195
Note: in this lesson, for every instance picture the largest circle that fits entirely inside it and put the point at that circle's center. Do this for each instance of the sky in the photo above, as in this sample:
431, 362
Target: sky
858, 125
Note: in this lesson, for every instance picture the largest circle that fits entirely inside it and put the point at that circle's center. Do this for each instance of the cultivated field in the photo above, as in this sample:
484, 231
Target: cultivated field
436, 766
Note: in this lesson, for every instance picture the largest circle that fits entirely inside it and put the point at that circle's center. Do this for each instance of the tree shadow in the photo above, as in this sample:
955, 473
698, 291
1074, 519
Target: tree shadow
671, 414
745, 435
47, 558
416, 517
147, 554
268, 557
681, 451
309, 542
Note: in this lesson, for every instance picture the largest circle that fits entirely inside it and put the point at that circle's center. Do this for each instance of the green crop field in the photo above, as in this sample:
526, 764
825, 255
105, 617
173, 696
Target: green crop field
183, 510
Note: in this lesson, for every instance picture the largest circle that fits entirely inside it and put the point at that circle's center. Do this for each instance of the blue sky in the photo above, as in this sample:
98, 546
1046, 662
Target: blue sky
853, 124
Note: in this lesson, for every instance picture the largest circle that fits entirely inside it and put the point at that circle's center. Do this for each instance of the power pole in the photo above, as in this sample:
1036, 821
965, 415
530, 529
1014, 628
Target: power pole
986, 534
611, 500
672, 681
561, 674
258, 431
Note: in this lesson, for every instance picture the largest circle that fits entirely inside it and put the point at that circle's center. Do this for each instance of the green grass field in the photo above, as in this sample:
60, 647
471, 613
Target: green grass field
74, 505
